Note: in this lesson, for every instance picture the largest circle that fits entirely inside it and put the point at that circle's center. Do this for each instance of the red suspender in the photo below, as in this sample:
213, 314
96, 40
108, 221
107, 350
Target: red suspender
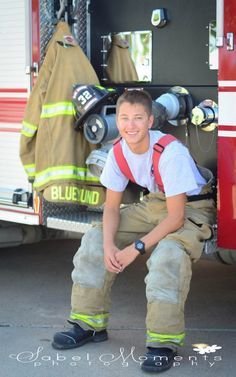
121, 161
157, 151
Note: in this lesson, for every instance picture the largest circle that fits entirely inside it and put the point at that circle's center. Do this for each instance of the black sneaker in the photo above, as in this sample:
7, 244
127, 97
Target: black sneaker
158, 359
76, 337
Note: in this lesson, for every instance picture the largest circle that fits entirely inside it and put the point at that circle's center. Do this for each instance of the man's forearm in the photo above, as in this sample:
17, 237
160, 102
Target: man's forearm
111, 220
165, 227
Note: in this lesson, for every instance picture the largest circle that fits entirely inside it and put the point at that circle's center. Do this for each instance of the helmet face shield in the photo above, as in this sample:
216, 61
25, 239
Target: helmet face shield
88, 99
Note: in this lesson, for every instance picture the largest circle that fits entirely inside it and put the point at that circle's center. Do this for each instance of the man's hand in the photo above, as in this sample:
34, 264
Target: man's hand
126, 256
110, 261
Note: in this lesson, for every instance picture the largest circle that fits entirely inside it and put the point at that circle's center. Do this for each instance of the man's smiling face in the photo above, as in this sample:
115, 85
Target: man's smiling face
133, 123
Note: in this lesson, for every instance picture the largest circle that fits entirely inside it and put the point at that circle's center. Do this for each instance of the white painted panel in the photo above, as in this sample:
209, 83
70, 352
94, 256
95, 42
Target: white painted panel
223, 133
227, 83
12, 174
227, 108
18, 217
13, 52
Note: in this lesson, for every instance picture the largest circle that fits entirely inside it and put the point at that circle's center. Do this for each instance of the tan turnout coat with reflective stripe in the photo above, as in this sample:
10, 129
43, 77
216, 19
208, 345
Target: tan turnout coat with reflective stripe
51, 151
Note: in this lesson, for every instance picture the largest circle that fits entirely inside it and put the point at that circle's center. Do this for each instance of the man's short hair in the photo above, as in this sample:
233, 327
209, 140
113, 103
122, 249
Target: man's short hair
136, 97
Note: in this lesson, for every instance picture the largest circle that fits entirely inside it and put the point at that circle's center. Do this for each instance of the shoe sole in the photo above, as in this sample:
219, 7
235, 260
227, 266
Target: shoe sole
96, 339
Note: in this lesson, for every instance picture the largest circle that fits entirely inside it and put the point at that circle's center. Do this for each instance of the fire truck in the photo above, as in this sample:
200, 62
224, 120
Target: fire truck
183, 52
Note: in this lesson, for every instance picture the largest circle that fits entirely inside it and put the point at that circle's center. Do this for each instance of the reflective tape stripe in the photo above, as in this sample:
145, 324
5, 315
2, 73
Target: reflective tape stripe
63, 172
28, 129
56, 109
30, 170
95, 321
102, 88
165, 338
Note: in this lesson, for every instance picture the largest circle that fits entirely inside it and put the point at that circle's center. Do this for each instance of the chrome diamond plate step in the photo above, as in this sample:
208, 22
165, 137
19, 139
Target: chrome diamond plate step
80, 222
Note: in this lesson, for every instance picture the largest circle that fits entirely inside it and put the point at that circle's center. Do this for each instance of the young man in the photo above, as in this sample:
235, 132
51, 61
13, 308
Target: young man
170, 227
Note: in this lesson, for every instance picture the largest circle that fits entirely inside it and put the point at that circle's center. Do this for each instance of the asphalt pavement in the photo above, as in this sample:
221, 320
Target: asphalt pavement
35, 286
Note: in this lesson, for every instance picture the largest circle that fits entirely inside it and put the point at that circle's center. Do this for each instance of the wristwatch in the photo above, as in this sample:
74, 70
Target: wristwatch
140, 246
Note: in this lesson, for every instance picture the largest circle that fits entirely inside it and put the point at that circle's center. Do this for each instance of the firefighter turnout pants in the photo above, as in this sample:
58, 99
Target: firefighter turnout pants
169, 269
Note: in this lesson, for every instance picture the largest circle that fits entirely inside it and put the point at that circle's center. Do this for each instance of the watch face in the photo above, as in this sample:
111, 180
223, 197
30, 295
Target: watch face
140, 246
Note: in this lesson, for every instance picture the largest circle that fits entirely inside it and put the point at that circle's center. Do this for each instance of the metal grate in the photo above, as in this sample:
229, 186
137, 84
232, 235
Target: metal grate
80, 25
69, 216
47, 19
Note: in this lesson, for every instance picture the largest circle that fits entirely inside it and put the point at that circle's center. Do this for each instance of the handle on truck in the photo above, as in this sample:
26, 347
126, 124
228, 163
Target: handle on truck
219, 23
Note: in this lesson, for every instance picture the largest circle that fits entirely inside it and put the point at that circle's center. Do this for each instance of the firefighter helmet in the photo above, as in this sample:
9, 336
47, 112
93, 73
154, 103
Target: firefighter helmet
88, 99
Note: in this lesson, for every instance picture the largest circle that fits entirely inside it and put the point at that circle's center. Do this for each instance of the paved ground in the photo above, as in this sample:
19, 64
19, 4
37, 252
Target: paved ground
35, 288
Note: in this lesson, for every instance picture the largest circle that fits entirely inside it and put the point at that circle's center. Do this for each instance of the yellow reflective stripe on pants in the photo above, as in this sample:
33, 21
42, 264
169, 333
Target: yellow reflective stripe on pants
63, 172
28, 129
153, 337
30, 170
95, 321
56, 109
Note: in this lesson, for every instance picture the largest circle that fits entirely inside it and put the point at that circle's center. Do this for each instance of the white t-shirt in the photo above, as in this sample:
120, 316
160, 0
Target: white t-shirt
176, 166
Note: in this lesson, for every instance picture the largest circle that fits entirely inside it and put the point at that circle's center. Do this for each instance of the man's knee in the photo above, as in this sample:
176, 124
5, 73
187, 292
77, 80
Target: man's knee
88, 261
166, 255
91, 245
169, 270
